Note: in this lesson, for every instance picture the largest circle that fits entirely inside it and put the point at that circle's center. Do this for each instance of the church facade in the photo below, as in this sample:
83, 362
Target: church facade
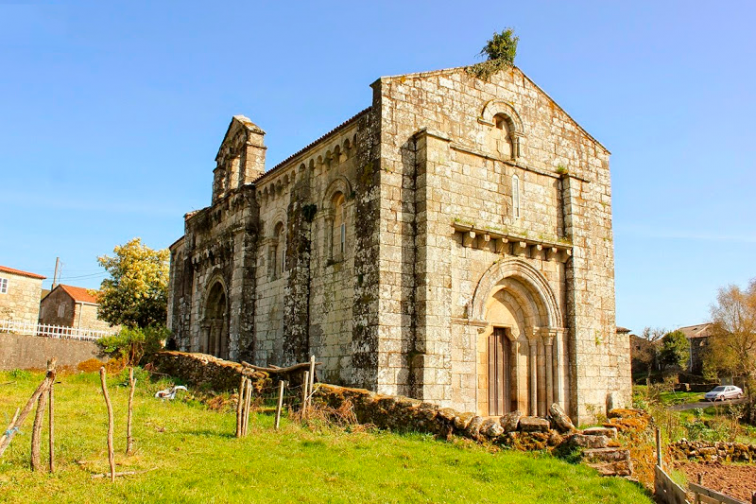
452, 242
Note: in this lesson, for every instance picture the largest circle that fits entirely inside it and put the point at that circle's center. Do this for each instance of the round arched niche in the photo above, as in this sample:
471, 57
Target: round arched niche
215, 337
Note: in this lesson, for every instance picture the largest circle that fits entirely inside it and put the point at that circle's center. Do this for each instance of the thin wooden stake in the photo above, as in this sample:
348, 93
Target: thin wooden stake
658, 447
5, 441
36, 439
281, 385
10, 426
247, 404
132, 386
305, 384
240, 406
111, 453
51, 427
312, 380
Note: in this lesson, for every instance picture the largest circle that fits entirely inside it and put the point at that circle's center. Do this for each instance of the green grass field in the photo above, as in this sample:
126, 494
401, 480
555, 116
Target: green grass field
193, 457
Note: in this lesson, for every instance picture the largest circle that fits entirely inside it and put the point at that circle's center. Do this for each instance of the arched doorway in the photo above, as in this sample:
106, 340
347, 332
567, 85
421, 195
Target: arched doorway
215, 341
520, 353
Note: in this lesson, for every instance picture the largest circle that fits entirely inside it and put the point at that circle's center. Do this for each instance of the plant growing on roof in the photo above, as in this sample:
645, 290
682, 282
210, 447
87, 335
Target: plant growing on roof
502, 46
500, 52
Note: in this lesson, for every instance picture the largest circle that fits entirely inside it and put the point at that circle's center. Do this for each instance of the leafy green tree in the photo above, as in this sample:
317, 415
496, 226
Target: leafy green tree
502, 46
731, 349
135, 345
675, 350
136, 293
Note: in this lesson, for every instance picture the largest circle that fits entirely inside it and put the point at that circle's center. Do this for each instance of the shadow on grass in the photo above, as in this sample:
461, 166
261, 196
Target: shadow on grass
205, 433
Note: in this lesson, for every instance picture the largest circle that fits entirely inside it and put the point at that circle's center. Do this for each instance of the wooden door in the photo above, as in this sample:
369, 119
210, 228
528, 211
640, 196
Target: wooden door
499, 349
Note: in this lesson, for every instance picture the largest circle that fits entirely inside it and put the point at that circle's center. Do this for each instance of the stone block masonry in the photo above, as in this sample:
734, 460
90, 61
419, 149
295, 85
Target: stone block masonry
451, 243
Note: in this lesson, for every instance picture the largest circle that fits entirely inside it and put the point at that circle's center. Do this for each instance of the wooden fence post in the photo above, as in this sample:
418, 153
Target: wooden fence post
6, 439
312, 380
247, 401
700, 482
281, 385
240, 406
111, 454
658, 447
305, 384
51, 426
132, 386
36, 438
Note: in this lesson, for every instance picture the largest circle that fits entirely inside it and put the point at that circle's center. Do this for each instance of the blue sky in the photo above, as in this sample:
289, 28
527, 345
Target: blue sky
111, 114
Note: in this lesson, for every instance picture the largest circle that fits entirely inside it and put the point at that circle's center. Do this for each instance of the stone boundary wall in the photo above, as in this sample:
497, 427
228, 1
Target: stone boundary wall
403, 414
703, 451
32, 352
208, 372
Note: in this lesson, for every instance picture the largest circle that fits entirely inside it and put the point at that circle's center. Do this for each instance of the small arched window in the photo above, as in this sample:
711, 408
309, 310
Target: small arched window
277, 252
338, 230
516, 196
503, 136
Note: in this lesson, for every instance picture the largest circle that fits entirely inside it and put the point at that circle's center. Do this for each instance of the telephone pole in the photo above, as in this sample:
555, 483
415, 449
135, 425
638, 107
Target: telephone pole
55, 276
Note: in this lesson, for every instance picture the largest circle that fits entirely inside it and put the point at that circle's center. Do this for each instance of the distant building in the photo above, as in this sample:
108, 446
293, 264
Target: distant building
698, 339
70, 306
19, 295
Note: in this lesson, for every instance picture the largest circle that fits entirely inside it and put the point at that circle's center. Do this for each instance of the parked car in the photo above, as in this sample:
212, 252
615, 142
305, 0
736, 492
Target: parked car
724, 392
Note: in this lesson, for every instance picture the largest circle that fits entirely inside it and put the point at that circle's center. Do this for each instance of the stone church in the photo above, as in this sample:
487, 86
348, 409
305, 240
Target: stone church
452, 242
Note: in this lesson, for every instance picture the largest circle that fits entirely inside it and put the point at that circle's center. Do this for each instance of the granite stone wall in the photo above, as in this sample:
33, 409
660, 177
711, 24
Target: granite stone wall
21, 301
476, 213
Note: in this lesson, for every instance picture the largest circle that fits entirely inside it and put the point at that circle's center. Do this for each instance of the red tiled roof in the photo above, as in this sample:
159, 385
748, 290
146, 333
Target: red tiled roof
312, 144
6, 269
79, 294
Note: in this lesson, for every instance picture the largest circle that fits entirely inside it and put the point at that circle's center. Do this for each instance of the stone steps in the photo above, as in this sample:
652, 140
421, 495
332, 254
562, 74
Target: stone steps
609, 461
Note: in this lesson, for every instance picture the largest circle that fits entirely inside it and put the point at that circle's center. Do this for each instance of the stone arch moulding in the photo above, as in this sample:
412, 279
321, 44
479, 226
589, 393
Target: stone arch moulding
492, 108
495, 278
278, 215
215, 278
340, 184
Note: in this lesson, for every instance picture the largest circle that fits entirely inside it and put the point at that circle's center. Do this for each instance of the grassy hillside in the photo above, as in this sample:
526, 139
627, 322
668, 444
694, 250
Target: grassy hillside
196, 459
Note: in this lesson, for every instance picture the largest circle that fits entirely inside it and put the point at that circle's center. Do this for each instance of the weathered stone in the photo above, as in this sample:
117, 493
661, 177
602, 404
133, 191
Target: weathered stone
560, 418
20, 292
208, 371
473, 428
376, 248
610, 432
534, 424
583, 441
555, 439
491, 428
462, 420
510, 421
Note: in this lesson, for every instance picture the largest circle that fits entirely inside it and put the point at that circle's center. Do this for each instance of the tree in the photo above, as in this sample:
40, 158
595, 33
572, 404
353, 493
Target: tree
732, 345
136, 294
502, 46
675, 350
646, 350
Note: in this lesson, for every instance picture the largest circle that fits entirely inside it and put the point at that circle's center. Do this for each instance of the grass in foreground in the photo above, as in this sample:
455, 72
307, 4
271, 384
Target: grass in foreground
196, 459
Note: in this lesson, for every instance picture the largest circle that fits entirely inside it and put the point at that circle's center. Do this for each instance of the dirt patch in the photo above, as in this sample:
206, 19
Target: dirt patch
733, 480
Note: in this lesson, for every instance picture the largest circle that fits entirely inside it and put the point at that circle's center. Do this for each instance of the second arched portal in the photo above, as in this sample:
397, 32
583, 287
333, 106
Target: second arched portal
215, 336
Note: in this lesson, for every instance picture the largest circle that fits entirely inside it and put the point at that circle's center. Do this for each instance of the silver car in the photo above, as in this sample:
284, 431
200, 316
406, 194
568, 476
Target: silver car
724, 392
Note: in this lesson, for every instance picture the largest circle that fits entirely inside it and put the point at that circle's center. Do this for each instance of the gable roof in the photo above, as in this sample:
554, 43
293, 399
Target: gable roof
696, 331
79, 294
12, 271
447, 71
237, 122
